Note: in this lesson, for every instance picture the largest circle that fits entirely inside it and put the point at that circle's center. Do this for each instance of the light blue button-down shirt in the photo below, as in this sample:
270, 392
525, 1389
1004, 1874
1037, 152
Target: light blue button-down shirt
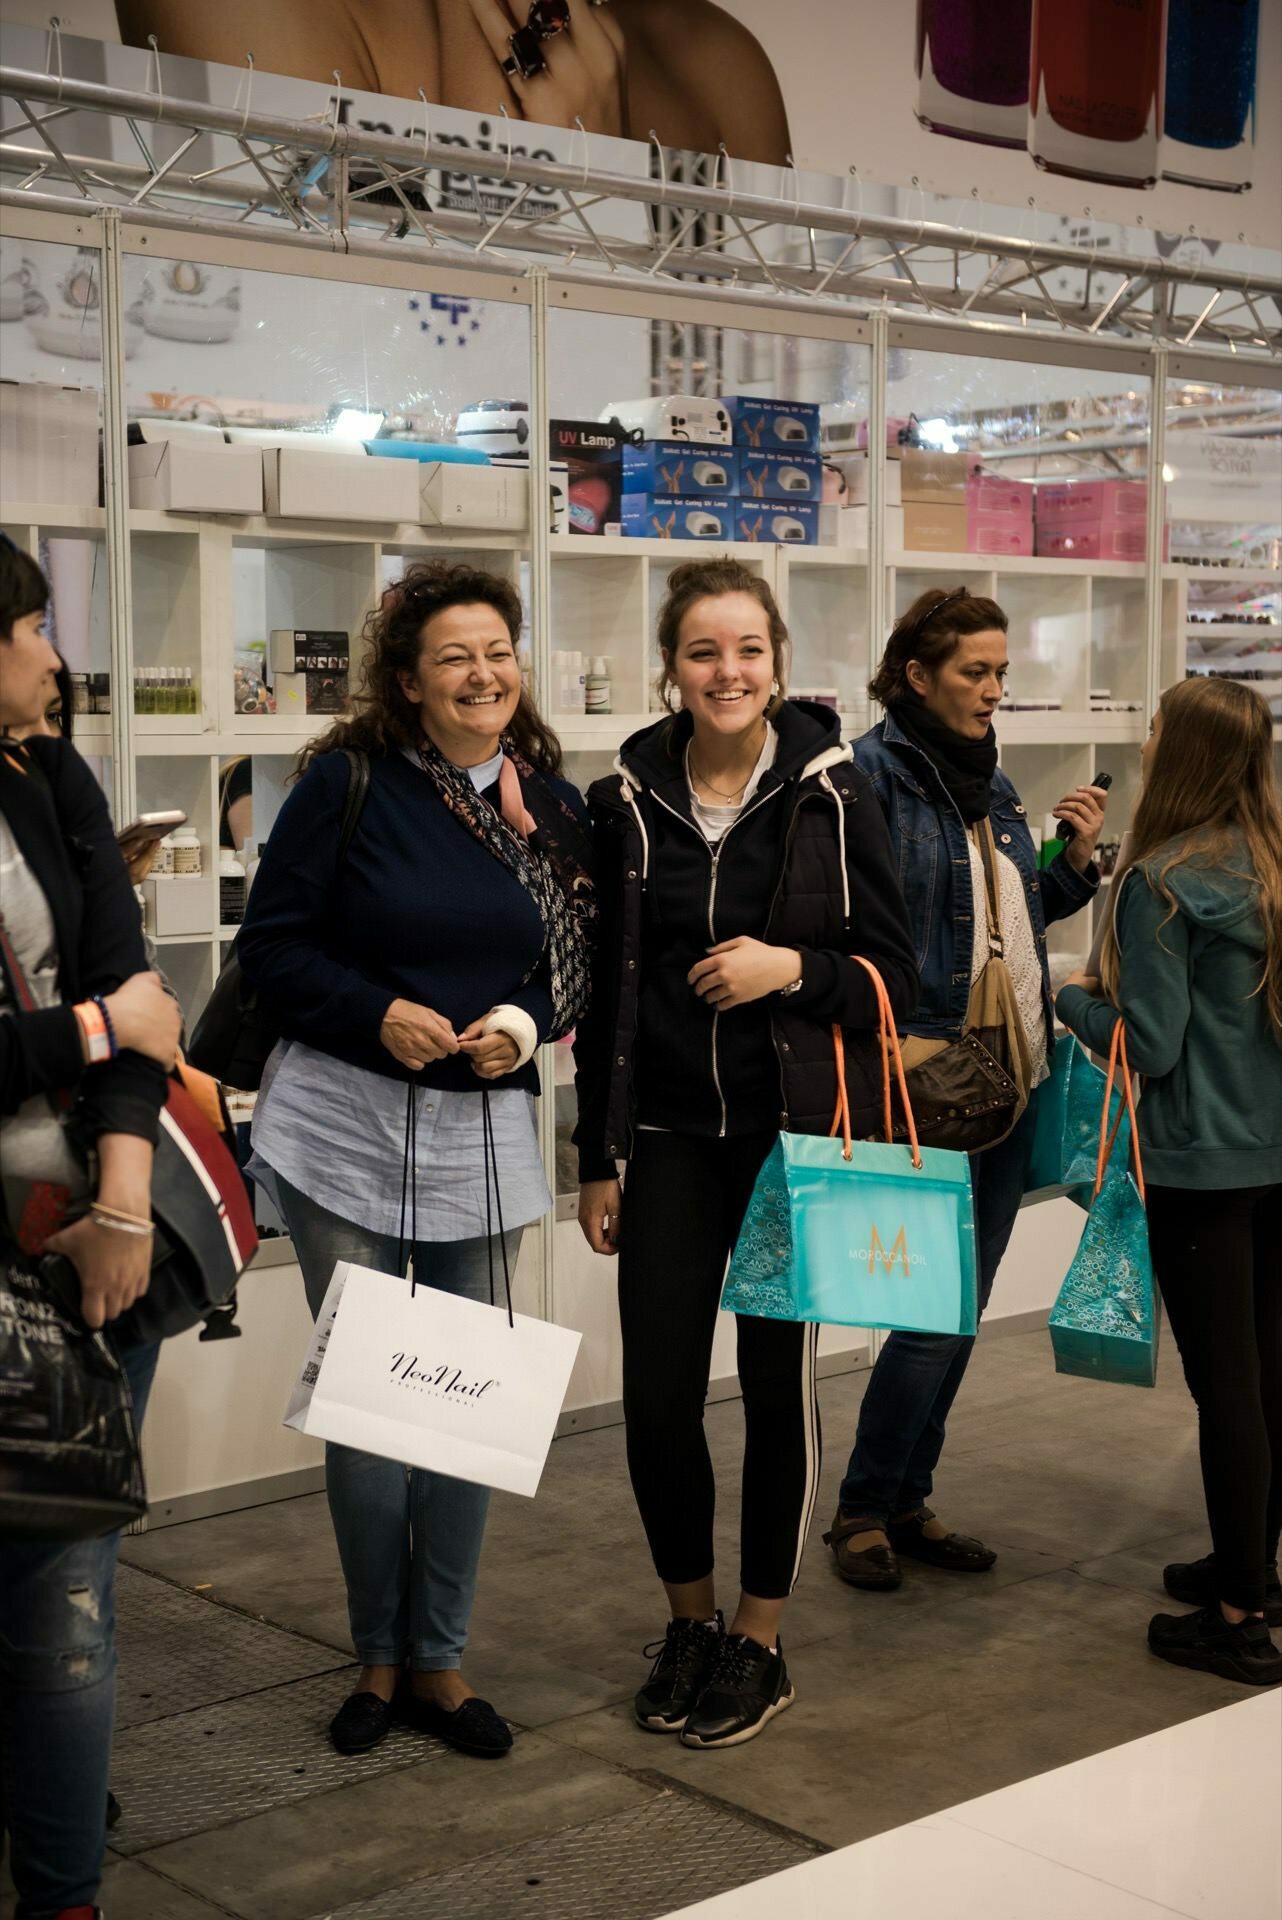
337, 1133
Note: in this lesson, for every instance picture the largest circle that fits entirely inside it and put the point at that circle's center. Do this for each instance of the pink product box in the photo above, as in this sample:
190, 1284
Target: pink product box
1108, 502
1091, 540
999, 516
990, 496
998, 533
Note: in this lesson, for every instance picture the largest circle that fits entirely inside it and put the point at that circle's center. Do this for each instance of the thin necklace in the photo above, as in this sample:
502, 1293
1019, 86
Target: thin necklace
703, 779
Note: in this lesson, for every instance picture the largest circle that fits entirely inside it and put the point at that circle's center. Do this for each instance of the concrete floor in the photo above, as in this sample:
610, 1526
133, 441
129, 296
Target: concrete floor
906, 1703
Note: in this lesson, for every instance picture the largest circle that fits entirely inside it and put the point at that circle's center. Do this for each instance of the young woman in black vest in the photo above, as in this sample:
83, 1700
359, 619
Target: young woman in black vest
742, 861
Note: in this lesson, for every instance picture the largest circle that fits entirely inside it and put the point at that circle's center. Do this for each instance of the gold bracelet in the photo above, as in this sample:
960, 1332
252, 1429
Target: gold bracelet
120, 1226
116, 1213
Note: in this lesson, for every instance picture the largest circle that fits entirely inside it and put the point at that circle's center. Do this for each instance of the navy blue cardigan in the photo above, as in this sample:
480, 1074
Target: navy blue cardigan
419, 911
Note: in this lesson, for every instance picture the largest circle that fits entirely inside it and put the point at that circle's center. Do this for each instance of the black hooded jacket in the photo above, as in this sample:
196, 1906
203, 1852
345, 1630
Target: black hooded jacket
807, 864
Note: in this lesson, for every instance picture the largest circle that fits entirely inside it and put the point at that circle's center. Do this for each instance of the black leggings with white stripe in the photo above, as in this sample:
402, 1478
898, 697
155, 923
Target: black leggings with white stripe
684, 1202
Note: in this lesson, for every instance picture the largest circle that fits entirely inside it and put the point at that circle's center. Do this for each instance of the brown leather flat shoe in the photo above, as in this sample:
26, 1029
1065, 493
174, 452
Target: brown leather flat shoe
874, 1568
955, 1553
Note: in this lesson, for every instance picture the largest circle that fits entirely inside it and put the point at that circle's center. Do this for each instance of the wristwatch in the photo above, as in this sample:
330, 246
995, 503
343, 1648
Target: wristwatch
794, 986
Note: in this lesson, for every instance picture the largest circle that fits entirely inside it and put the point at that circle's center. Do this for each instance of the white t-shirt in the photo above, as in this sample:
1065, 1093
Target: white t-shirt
714, 822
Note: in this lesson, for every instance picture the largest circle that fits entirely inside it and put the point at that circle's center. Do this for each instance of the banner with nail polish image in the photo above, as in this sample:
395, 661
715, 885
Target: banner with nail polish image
1162, 115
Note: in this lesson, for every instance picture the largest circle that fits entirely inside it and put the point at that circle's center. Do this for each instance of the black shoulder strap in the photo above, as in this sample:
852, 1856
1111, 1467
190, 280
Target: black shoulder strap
357, 789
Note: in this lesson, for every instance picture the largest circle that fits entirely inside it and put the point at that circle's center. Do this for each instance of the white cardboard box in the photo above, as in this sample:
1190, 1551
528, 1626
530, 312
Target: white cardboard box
456, 494
558, 481
299, 485
851, 527
179, 903
189, 479
49, 443
854, 469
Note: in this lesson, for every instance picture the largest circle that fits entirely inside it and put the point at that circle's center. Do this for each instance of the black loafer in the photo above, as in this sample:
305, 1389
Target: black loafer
473, 1728
360, 1723
955, 1553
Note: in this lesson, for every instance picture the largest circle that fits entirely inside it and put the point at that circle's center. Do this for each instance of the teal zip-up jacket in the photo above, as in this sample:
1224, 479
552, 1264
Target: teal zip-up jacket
1196, 1026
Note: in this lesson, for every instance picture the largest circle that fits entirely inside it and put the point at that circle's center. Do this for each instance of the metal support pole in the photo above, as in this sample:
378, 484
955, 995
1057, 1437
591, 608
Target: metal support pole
1154, 585
540, 614
878, 356
115, 469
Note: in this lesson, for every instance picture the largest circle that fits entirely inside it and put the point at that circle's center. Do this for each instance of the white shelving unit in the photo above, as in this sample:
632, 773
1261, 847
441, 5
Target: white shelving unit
199, 584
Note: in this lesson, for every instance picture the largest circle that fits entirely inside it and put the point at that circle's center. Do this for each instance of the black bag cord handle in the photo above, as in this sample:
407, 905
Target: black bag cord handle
409, 1193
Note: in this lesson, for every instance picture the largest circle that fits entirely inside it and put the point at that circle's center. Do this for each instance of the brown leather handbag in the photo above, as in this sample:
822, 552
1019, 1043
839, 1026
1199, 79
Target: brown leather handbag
967, 1094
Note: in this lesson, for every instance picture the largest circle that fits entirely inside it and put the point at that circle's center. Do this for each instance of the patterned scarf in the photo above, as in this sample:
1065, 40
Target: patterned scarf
552, 863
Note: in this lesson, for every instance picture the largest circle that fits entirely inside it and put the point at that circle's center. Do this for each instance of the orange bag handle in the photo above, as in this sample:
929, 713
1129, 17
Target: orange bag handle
889, 1050
1117, 1060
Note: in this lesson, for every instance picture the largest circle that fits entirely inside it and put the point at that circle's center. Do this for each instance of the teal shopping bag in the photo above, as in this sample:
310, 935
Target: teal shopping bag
1066, 1128
1105, 1323
859, 1233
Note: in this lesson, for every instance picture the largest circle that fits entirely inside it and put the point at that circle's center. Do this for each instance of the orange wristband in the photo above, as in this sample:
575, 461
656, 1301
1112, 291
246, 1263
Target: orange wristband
94, 1029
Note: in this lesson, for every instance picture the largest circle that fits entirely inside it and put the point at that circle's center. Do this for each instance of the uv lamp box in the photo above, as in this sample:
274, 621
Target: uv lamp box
767, 424
680, 467
782, 523
657, 516
675, 416
780, 476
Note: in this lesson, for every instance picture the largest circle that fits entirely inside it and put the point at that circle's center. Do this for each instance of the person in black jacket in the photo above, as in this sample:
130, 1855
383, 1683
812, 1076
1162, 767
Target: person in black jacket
741, 861
78, 1012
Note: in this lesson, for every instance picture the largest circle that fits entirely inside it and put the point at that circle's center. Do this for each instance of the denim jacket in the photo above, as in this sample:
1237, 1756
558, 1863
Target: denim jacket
929, 841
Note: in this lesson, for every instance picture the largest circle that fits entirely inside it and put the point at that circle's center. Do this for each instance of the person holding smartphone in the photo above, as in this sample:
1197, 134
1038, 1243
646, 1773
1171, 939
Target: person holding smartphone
933, 766
1193, 964
103, 1027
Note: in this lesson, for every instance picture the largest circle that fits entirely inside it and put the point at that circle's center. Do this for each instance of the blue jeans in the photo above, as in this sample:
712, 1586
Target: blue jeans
409, 1540
917, 1375
58, 1701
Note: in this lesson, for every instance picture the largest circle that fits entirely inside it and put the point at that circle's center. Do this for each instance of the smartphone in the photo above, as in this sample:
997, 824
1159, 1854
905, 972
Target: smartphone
156, 825
1066, 829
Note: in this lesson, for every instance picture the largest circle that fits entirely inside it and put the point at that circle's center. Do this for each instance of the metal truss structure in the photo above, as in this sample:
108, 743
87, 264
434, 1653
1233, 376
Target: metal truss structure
331, 187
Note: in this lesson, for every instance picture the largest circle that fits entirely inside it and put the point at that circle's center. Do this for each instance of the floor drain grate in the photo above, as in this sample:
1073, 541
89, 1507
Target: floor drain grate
177, 1652
637, 1865
192, 1771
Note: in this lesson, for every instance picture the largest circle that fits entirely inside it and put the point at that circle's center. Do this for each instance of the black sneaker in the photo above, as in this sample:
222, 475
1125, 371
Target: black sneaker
747, 1687
1193, 1583
1206, 1641
682, 1661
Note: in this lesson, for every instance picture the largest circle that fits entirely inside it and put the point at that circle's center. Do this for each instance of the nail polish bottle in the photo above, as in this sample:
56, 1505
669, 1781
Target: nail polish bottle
1096, 80
1208, 133
972, 69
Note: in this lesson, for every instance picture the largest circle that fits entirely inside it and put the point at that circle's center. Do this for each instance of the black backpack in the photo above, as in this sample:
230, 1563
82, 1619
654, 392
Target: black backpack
235, 1034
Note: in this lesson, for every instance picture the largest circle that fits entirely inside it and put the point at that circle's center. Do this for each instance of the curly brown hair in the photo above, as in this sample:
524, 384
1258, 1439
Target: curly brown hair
930, 632
382, 718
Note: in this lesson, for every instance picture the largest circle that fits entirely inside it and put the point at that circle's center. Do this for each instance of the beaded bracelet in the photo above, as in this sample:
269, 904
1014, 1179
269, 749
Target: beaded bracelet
107, 1022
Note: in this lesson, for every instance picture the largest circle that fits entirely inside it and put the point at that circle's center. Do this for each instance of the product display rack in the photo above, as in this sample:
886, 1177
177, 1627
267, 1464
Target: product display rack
173, 583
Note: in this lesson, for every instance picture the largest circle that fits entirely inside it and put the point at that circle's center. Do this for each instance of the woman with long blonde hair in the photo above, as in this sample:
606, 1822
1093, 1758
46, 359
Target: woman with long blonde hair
1193, 963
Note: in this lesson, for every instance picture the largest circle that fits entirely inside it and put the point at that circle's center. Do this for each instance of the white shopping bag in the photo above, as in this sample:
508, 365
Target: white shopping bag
433, 1380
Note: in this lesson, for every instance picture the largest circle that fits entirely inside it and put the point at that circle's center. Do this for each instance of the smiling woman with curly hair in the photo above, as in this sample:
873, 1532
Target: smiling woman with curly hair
415, 964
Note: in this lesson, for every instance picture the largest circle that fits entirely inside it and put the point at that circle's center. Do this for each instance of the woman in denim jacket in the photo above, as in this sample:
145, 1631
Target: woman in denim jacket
933, 765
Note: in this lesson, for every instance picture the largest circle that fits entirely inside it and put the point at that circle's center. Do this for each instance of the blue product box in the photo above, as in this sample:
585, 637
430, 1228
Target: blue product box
657, 516
792, 425
688, 467
780, 476
784, 523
